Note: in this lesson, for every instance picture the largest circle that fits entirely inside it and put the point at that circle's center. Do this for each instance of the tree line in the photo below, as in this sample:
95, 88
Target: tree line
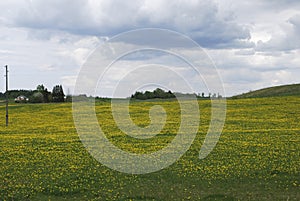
42, 95
159, 93
39, 95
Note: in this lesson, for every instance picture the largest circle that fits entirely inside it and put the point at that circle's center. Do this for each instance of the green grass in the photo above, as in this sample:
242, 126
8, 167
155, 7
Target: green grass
256, 158
284, 90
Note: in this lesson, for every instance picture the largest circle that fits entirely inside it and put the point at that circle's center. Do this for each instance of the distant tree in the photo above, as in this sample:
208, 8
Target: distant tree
68, 98
202, 94
219, 96
149, 95
157, 93
47, 97
40, 88
170, 95
139, 95
12, 94
37, 97
58, 94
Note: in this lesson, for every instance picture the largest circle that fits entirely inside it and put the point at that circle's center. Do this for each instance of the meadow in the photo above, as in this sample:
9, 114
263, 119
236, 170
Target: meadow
256, 158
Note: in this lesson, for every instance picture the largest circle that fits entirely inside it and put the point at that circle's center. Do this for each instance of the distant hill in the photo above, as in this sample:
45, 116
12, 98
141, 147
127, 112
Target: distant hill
284, 90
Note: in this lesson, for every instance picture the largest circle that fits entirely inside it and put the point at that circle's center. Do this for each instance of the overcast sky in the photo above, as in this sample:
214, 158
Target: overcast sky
254, 43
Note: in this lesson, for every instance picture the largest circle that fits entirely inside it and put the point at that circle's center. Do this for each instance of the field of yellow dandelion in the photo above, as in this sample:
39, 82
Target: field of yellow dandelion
256, 158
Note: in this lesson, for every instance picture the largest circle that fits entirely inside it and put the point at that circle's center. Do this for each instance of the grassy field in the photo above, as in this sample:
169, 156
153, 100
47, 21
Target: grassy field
256, 158
284, 90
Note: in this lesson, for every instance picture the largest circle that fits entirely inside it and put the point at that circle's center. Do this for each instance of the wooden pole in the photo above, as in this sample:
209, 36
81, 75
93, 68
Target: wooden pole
6, 76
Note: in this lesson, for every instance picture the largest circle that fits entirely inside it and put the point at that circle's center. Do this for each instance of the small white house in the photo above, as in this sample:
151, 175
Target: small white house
21, 99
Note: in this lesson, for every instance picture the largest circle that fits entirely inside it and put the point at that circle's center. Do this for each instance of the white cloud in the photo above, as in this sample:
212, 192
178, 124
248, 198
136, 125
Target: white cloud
243, 72
286, 38
68, 82
33, 60
249, 51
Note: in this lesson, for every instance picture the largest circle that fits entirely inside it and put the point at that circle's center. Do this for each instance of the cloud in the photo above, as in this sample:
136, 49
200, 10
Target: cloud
245, 52
286, 39
33, 60
280, 4
253, 43
295, 22
244, 72
200, 20
68, 82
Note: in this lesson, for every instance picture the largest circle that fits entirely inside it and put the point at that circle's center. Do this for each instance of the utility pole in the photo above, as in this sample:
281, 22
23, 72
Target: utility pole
6, 76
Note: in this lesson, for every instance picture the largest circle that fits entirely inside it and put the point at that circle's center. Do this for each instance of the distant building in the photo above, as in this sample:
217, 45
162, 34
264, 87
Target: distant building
21, 99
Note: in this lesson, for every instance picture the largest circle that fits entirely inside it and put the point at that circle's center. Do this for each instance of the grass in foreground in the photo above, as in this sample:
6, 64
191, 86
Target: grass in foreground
257, 157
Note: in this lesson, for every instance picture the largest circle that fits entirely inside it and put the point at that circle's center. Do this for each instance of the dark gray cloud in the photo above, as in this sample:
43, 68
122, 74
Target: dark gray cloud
295, 21
200, 20
67, 15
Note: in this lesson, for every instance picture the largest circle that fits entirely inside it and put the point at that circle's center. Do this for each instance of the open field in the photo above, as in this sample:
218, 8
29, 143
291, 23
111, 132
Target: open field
256, 158
283, 90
